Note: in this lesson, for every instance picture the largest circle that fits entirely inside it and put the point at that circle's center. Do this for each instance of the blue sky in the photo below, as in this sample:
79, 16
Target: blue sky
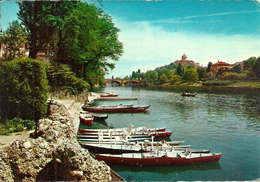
156, 33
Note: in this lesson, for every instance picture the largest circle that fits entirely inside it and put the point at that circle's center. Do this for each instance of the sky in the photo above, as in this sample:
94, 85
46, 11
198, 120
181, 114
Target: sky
157, 33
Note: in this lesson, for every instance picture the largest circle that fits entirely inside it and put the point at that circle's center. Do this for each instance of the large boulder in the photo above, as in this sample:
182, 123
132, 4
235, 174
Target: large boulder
51, 154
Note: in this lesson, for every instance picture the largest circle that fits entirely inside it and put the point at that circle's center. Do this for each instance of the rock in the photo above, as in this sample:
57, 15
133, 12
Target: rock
51, 154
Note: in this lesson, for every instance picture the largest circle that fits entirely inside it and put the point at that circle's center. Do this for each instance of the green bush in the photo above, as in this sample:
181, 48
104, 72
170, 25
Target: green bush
4, 130
23, 89
16, 125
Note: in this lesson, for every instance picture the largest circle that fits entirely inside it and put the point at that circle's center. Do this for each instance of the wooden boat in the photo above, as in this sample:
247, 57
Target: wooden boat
86, 118
134, 147
115, 98
184, 94
130, 128
108, 94
148, 143
159, 158
114, 139
116, 109
155, 134
95, 115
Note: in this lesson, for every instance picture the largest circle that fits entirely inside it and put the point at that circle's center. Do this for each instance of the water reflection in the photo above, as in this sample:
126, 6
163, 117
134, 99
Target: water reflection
167, 169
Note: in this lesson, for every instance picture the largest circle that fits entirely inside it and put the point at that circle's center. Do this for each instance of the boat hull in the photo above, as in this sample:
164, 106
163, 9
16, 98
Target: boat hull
165, 134
140, 129
87, 121
106, 148
141, 160
115, 109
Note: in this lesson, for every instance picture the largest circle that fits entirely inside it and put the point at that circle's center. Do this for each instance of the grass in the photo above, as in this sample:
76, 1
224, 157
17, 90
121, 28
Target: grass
246, 84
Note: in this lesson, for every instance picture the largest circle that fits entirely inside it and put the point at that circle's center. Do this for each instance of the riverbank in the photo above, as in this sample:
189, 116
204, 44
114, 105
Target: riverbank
73, 108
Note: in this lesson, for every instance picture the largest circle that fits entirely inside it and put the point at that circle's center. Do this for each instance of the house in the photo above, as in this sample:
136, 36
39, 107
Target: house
220, 65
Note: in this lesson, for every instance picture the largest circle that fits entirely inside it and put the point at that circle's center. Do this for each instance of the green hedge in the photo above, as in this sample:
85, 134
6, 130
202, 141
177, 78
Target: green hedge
23, 89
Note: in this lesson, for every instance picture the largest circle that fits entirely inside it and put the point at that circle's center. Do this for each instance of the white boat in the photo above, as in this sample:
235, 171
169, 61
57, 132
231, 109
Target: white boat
129, 129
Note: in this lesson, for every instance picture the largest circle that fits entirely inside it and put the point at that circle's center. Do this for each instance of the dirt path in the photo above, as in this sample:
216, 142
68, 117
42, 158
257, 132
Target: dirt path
6, 140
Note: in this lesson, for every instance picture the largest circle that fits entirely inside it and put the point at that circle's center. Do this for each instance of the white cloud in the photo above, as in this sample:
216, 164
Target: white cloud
147, 47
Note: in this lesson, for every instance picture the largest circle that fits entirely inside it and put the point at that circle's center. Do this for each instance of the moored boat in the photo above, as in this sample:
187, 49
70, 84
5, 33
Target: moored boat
130, 128
109, 94
134, 147
86, 118
115, 98
116, 109
159, 158
96, 116
155, 134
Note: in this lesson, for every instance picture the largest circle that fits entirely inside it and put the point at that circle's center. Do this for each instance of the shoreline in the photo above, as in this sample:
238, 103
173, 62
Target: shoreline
73, 108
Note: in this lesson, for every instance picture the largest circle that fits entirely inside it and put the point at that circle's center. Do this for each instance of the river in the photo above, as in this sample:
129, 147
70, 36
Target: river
223, 121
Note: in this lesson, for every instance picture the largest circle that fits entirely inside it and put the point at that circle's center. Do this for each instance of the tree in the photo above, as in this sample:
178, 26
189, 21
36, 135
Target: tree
190, 75
252, 66
237, 69
42, 20
14, 41
61, 78
90, 39
179, 70
151, 77
201, 72
174, 79
163, 79
209, 67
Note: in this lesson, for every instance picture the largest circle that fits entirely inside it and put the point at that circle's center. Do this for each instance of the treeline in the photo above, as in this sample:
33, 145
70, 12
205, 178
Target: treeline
175, 74
77, 37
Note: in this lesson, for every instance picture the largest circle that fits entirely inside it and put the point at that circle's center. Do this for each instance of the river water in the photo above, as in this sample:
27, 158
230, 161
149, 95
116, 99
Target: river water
223, 121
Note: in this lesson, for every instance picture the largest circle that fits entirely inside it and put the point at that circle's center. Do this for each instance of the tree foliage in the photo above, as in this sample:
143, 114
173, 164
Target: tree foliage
42, 21
14, 41
23, 89
151, 77
252, 66
61, 78
190, 75
90, 39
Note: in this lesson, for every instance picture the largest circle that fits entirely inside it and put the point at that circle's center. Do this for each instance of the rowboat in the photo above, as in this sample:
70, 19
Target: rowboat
159, 134
148, 143
130, 128
184, 94
159, 158
115, 109
95, 115
111, 139
108, 94
86, 118
134, 147
115, 98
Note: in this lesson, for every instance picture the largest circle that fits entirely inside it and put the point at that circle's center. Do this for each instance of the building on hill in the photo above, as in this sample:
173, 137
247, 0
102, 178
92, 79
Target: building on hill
186, 62
220, 65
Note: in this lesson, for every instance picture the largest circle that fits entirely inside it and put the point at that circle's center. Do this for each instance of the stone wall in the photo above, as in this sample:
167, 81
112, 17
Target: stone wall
51, 154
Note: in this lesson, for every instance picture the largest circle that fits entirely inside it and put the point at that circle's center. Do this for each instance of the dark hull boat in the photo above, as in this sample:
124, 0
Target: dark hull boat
116, 109
188, 95
158, 158
139, 147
